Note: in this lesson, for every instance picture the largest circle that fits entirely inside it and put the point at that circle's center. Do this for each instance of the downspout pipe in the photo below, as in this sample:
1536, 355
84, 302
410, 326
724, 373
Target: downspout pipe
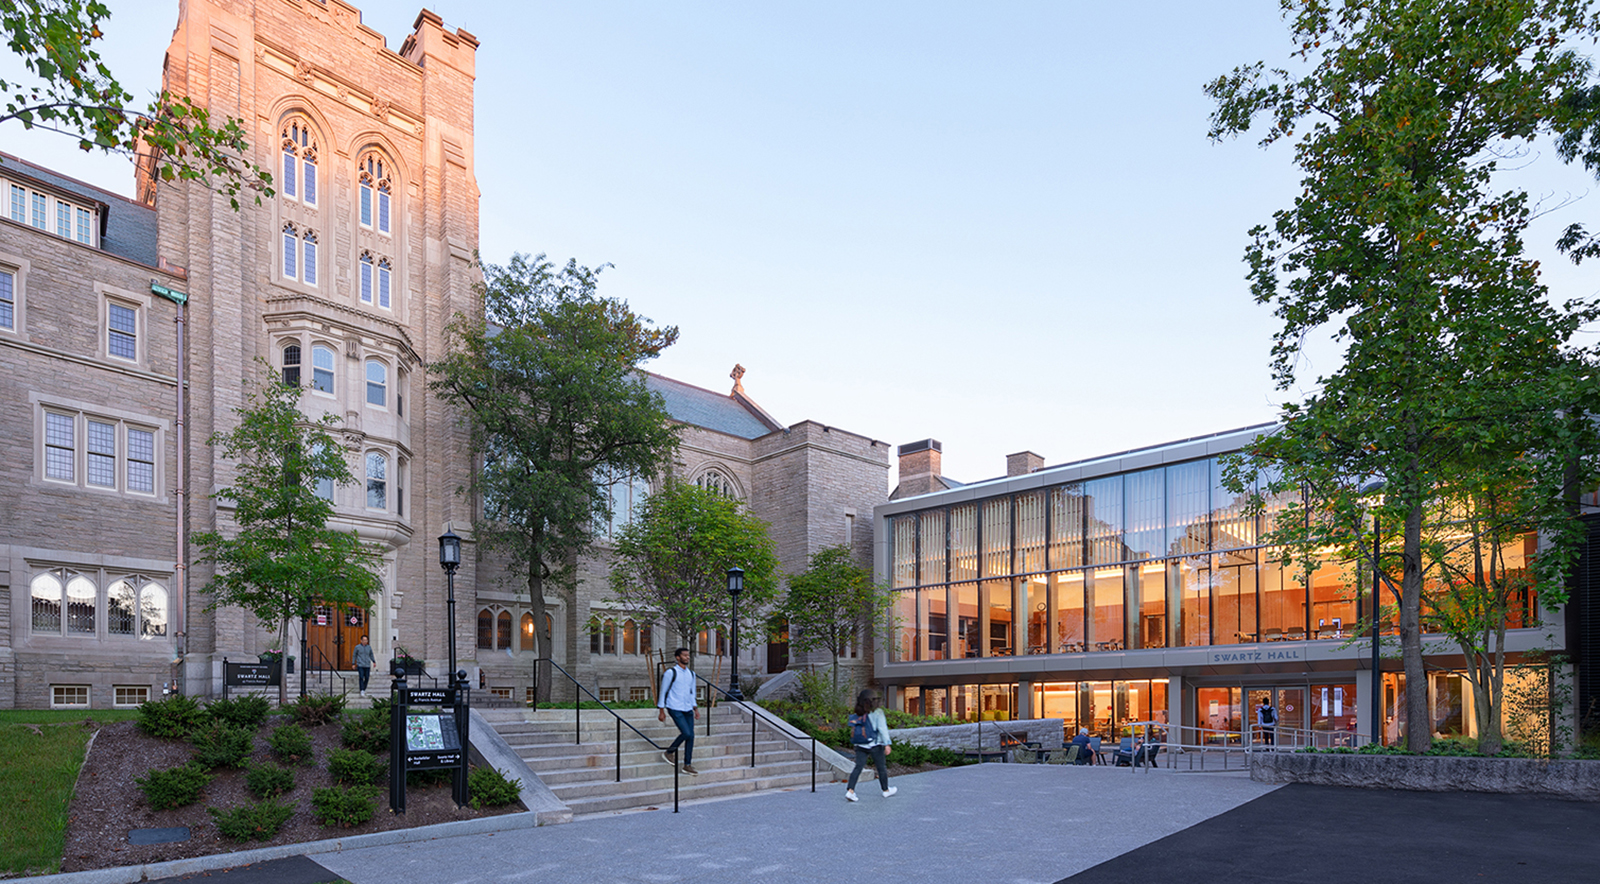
180, 581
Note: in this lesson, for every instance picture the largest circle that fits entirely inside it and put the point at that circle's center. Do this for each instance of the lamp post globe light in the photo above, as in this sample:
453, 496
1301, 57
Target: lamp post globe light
450, 560
735, 586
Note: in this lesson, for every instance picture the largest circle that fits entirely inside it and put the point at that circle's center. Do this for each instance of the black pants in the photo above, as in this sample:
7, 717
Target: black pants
876, 754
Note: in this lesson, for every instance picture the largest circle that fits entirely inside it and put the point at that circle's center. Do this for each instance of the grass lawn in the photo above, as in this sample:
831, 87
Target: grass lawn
40, 753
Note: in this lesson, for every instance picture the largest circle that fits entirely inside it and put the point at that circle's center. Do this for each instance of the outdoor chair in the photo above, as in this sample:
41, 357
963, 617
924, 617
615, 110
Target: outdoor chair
1070, 756
1094, 750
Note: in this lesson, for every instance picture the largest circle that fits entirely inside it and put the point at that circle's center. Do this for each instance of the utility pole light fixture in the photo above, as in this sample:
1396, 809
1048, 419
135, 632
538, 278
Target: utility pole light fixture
450, 560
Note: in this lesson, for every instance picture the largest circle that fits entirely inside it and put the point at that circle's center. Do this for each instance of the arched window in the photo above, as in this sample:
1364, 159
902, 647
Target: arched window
322, 487
377, 383
47, 602
646, 638
630, 637
367, 266
299, 179
717, 481
291, 365
527, 633
322, 369
291, 250
385, 270
377, 481
376, 190
308, 267
121, 607
503, 633
594, 635
152, 611
485, 630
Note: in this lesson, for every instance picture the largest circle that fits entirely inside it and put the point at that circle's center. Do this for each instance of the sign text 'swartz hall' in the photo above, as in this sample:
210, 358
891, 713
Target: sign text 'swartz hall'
1263, 656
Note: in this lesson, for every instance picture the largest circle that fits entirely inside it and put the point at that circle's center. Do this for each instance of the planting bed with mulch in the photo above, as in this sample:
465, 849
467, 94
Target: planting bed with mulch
107, 804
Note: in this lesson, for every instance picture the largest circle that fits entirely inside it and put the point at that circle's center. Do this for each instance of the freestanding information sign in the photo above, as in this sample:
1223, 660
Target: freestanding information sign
249, 675
427, 731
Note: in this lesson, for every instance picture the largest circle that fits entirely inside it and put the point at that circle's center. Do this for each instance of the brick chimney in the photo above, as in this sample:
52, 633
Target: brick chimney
1022, 463
919, 468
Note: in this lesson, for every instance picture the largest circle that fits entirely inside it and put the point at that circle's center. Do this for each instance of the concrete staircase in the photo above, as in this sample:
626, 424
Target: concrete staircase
583, 773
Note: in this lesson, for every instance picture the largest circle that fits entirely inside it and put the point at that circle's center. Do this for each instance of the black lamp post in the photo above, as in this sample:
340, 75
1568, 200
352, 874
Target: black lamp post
450, 560
735, 586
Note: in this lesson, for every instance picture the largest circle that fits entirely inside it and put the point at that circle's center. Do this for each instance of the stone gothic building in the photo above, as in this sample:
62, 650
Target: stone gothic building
130, 330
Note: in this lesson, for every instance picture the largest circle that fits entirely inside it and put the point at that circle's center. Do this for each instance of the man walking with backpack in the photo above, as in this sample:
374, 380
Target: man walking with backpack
677, 698
1267, 718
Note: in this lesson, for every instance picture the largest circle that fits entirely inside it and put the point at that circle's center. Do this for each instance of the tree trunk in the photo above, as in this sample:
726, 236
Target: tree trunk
283, 673
1419, 719
543, 672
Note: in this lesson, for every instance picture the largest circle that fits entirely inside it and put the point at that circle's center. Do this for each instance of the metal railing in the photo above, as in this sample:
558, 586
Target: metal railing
320, 669
770, 721
1293, 738
577, 723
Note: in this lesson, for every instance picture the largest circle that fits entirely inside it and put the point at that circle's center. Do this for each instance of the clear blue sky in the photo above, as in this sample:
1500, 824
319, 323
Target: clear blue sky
998, 224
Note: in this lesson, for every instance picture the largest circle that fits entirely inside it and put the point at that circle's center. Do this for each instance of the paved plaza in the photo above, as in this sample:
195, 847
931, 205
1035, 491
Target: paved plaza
1005, 824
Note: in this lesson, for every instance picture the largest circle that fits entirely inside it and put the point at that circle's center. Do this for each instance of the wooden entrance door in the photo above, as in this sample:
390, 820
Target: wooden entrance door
332, 634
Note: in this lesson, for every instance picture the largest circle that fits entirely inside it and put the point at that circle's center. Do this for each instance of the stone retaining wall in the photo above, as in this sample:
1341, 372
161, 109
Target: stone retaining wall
1045, 731
1569, 779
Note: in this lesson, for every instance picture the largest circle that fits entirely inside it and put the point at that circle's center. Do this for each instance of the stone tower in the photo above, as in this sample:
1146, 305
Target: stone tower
343, 280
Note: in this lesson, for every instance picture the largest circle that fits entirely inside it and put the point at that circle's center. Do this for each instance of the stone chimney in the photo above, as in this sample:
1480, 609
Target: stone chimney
919, 468
1022, 463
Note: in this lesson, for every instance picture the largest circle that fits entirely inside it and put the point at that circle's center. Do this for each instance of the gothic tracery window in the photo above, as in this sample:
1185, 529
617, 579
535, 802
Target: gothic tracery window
717, 481
299, 180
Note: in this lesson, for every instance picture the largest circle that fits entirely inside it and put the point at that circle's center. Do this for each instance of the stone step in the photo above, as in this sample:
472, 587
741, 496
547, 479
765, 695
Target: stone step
689, 790
577, 769
661, 779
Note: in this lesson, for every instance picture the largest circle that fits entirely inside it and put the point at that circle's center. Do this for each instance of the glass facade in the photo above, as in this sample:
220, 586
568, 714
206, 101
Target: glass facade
1165, 557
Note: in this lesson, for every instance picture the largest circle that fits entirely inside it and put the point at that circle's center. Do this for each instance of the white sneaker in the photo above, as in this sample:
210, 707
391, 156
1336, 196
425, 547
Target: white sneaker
890, 791
850, 795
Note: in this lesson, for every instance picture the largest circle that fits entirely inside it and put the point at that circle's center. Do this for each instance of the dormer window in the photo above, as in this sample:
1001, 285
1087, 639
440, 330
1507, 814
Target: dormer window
47, 212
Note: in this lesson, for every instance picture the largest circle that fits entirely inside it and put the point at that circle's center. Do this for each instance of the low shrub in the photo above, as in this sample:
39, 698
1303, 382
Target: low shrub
249, 711
909, 754
291, 744
491, 788
343, 807
175, 786
313, 710
222, 745
367, 730
170, 718
252, 822
268, 780
356, 767
947, 757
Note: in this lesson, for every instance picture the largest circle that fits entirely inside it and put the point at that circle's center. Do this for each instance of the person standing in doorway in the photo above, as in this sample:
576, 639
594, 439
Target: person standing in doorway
869, 733
1267, 719
677, 698
362, 657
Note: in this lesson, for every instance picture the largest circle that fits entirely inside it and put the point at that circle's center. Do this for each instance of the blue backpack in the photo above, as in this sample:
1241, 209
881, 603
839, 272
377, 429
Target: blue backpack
862, 733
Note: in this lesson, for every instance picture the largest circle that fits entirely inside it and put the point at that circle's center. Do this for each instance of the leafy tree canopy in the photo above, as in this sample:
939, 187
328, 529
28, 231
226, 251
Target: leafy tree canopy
548, 385
832, 604
1402, 247
673, 560
73, 92
283, 555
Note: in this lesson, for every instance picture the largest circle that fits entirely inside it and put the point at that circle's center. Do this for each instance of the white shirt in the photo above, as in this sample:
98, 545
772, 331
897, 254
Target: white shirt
677, 689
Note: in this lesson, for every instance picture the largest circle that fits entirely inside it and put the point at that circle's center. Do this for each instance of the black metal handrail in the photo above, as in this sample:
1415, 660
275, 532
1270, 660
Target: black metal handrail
324, 665
577, 719
751, 711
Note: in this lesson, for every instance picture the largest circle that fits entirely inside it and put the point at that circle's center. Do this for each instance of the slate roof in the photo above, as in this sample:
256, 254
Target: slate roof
128, 229
703, 408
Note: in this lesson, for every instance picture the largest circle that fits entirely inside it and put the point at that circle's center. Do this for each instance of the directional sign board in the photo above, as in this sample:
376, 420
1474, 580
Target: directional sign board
250, 675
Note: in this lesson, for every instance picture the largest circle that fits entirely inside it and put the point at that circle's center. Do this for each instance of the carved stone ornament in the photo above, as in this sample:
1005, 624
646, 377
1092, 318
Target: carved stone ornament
343, 93
353, 439
302, 70
738, 378
418, 128
380, 108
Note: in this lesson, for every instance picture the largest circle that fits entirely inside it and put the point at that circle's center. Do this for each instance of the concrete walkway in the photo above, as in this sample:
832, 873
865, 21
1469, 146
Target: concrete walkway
993, 822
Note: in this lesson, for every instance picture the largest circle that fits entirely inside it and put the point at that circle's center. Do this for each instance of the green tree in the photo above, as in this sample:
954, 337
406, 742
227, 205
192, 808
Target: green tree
548, 385
283, 554
832, 604
1403, 249
673, 560
73, 92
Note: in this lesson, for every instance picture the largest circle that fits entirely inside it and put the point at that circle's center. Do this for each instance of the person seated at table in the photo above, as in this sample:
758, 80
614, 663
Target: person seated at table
1085, 753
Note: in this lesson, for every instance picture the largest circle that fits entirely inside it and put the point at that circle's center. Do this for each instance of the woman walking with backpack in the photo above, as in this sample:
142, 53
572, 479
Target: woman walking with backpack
869, 733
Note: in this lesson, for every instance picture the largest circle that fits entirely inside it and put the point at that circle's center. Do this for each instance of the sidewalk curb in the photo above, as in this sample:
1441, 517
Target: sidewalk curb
172, 868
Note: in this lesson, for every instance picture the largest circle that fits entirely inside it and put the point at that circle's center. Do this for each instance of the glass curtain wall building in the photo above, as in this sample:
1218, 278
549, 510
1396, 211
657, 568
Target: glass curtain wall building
1128, 588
